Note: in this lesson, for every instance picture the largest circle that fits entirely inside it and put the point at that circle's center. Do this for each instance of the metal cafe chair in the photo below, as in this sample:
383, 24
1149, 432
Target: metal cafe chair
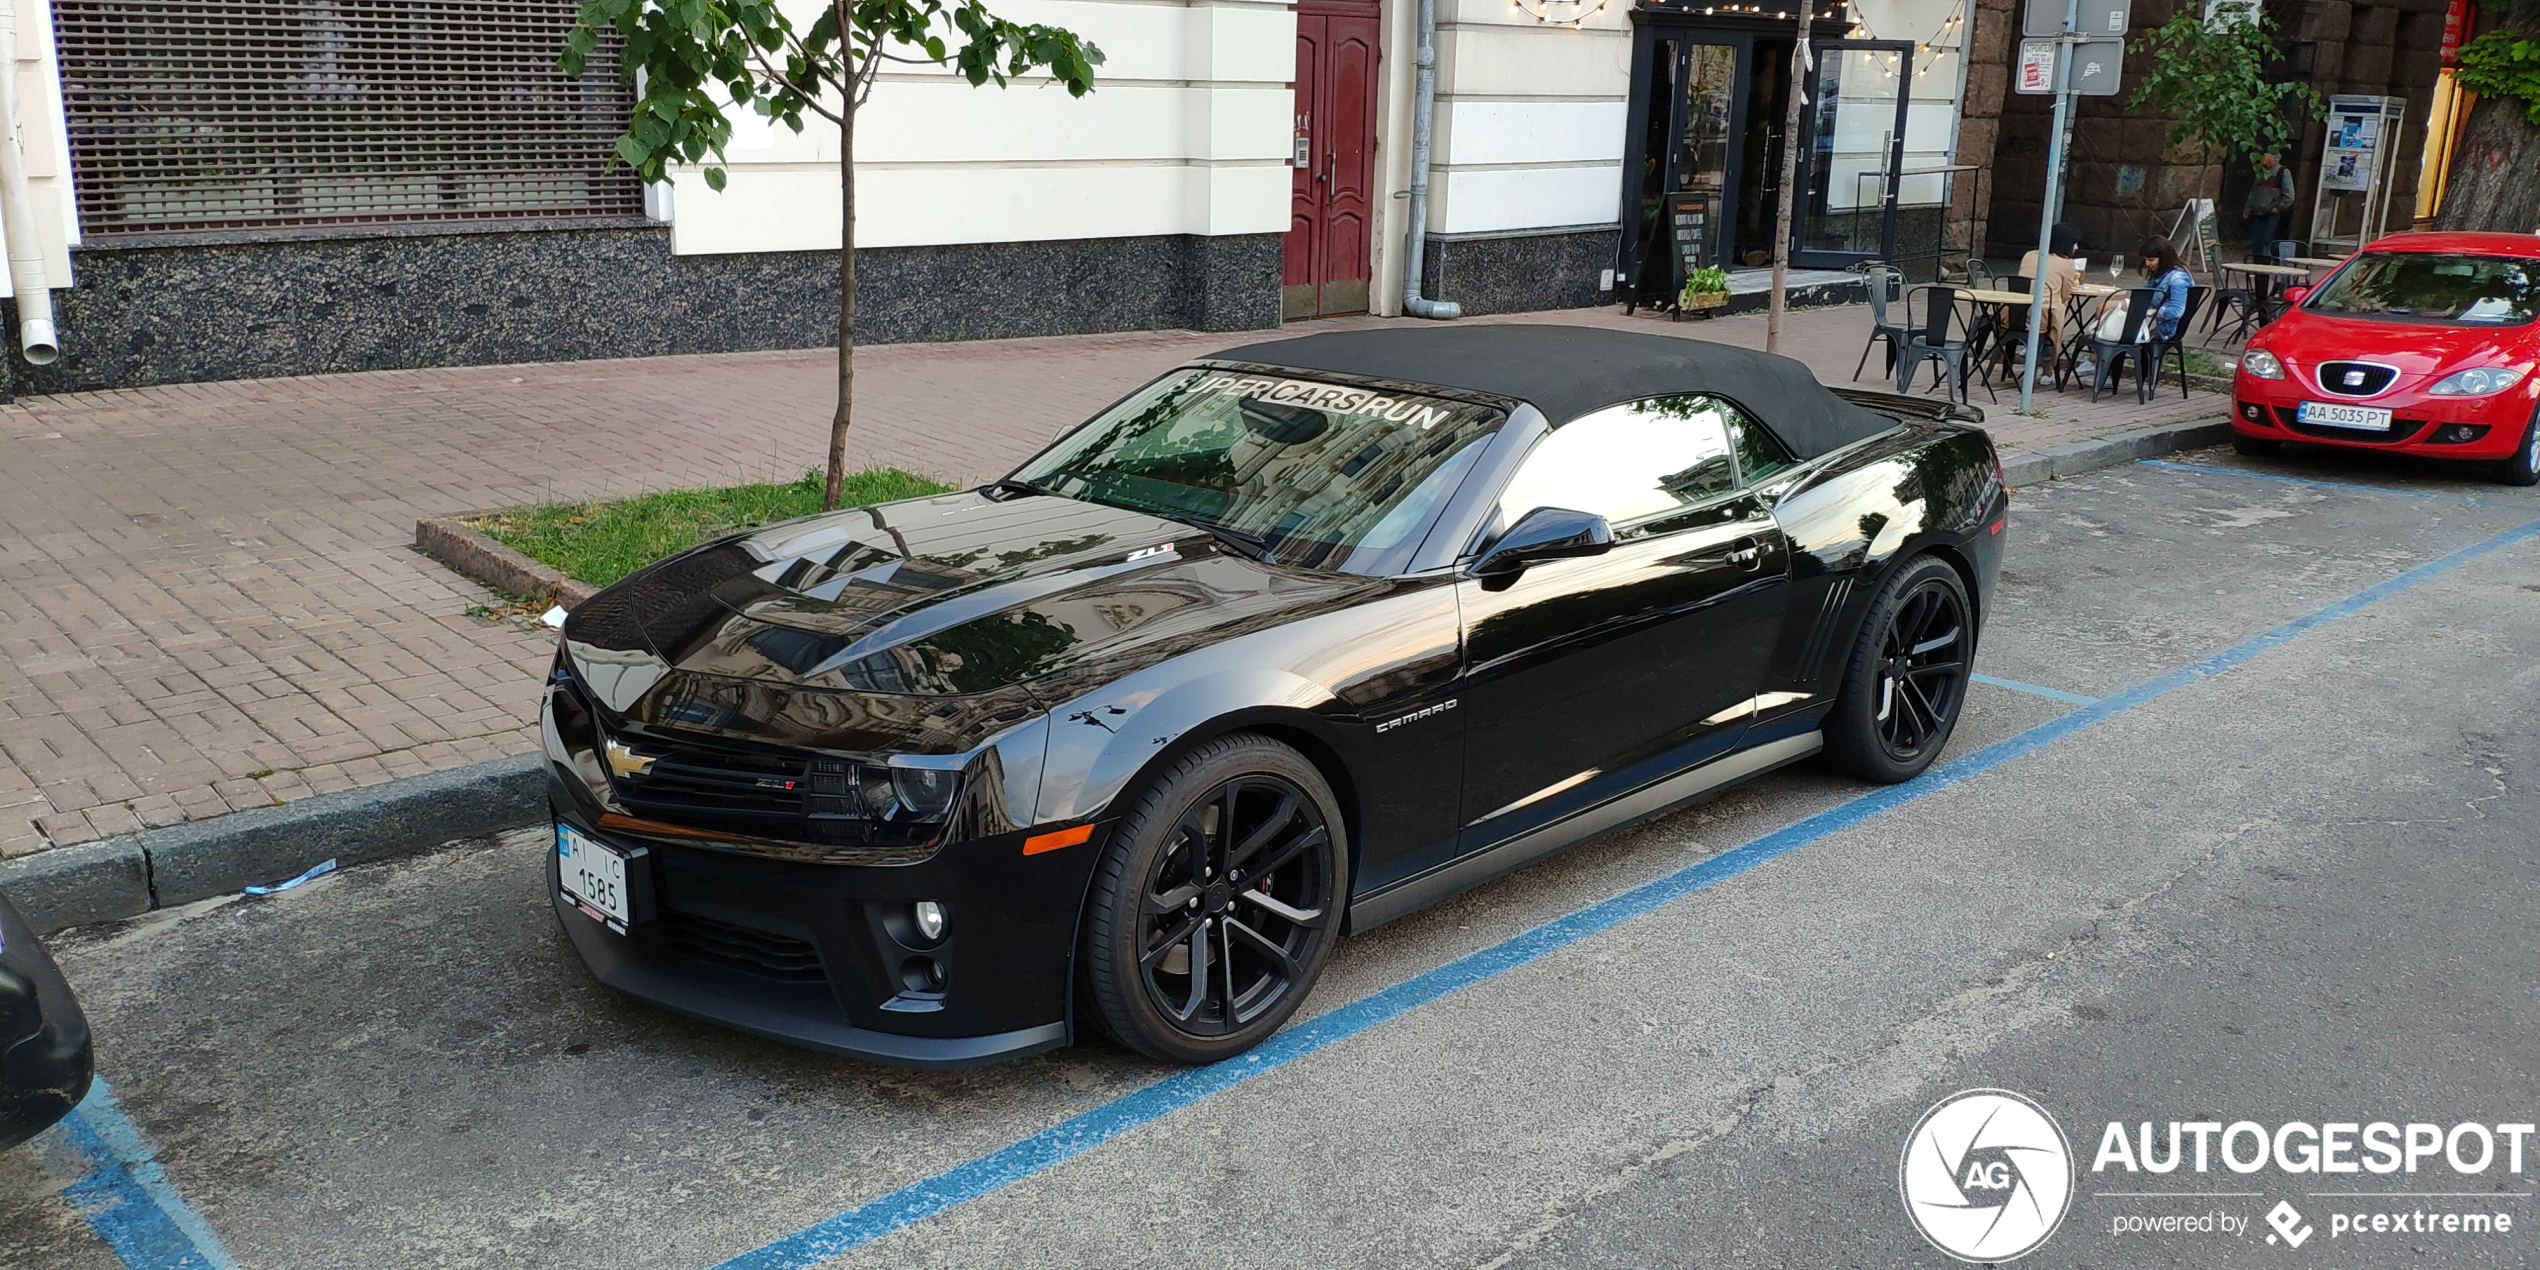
2010, 338
1881, 282
2233, 303
1928, 339
2177, 342
2135, 341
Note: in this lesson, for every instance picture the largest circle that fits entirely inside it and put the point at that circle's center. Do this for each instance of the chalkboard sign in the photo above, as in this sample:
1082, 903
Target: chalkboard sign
2209, 238
1693, 230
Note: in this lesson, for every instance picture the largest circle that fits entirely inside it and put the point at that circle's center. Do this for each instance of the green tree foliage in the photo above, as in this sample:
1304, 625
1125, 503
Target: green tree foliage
2211, 82
2504, 63
694, 61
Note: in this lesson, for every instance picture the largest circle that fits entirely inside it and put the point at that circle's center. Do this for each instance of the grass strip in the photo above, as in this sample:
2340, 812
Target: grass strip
600, 542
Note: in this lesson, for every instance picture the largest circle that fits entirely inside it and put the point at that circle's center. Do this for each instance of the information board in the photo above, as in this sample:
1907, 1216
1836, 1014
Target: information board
1693, 225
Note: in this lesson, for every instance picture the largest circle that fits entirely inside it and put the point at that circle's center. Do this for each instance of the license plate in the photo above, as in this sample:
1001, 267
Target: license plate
2330, 415
594, 876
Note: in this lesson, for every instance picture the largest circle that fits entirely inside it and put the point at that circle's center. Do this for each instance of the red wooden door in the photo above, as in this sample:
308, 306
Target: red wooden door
1332, 189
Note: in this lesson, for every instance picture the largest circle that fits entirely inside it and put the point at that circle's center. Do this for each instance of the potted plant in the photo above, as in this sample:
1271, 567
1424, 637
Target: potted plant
1705, 288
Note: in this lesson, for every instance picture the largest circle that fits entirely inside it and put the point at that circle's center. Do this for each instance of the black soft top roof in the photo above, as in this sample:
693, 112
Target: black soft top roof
1568, 371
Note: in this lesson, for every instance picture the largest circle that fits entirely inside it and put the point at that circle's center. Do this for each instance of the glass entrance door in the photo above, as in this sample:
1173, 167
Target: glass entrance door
1856, 145
1691, 110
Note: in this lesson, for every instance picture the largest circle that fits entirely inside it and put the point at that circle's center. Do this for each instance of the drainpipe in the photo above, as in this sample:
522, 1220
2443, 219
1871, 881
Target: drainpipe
1423, 104
17, 212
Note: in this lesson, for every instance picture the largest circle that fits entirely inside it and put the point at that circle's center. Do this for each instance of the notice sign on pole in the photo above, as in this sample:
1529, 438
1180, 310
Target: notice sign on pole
2097, 67
2037, 67
2091, 17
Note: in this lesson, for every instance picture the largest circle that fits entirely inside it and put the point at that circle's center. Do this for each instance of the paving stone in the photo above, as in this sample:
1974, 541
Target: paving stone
199, 581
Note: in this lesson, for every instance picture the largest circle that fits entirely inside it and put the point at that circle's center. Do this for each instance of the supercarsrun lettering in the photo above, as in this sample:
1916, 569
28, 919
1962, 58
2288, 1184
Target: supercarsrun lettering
1333, 397
2297, 1146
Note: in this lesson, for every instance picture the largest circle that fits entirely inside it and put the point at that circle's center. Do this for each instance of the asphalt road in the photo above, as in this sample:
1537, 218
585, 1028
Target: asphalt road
2295, 883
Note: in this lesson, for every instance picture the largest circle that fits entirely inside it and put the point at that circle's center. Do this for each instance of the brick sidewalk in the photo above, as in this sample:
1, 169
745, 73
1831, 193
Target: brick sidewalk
208, 601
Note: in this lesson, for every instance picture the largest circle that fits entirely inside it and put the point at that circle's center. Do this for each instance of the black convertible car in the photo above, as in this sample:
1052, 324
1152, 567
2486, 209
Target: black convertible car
1287, 643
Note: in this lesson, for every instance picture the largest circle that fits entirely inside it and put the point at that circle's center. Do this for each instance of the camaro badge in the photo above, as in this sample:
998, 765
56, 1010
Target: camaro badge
1422, 713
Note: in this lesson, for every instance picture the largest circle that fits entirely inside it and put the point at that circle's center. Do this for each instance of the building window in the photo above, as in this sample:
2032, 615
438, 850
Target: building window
189, 115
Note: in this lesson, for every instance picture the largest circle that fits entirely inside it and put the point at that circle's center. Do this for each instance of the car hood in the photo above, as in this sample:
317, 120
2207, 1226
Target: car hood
919, 626
2418, 350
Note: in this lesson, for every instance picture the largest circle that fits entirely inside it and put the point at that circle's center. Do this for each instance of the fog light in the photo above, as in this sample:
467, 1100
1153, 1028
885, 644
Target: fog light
2249, 411
2458, 433
922, 976
930, 920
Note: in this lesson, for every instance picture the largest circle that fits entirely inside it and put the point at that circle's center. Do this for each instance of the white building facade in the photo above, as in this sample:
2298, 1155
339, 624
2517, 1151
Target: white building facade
390, 185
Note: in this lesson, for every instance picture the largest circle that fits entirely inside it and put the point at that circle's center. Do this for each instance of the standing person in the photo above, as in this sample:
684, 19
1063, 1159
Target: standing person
2170, 284
2268, 200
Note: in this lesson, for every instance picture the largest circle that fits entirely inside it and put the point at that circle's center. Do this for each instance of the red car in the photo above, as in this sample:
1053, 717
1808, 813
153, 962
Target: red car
2419, 344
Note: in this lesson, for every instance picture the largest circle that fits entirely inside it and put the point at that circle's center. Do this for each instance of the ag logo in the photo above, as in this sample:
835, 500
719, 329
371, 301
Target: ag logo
1987, 1175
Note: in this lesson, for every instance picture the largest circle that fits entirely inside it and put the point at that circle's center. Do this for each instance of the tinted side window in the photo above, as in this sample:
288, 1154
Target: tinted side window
1759, 453
1627, 462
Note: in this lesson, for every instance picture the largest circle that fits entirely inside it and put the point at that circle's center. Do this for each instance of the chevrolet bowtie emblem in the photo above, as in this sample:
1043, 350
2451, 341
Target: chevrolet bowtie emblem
624, 761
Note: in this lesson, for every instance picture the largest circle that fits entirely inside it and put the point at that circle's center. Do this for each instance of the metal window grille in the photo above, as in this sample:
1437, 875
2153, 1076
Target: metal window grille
243, 114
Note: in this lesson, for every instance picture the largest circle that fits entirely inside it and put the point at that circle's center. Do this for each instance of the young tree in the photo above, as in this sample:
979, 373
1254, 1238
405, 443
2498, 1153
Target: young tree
2210, 79
693, 60
2495, 180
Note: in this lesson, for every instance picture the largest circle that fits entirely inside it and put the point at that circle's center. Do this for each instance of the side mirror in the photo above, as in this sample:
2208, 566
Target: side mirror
2295, 295
1546, 533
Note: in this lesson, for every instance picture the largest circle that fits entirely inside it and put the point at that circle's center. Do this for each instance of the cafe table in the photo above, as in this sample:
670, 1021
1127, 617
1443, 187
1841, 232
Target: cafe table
2271, 279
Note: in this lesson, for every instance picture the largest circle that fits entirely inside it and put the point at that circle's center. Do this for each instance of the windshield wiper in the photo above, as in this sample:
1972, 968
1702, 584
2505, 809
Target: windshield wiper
1252, 545
1014, 487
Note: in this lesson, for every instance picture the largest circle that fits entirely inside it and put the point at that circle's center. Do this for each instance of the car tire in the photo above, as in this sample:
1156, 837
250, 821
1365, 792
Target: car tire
2254, 447
1189, 879
2524, 467
1906, 682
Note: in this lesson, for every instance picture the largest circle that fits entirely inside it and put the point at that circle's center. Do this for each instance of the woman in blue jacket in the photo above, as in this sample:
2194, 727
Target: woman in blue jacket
2170, 284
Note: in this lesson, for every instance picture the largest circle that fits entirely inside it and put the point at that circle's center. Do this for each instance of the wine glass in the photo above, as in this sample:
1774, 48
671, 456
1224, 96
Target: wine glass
2116, 268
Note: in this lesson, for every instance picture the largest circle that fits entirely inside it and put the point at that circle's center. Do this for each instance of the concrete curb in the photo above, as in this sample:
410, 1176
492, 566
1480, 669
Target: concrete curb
2029, 467
449, 540
179, 864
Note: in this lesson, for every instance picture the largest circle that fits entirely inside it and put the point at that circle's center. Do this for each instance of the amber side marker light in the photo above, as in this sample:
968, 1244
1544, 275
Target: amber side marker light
1041, 842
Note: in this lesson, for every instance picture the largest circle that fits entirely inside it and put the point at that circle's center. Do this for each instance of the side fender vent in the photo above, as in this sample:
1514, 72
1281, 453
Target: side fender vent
1812, 655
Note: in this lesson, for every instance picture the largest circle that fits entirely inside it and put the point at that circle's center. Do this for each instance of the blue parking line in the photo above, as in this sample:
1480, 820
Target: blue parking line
125, 1196
1007, 1165
2035, 691
2349, 486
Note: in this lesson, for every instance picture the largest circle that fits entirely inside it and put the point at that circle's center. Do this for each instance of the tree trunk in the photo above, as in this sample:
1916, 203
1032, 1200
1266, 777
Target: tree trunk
845, 416
2495, 180
1799, 63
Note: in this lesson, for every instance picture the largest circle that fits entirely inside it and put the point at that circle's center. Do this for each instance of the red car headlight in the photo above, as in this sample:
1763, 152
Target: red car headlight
2261, 364
2482, 381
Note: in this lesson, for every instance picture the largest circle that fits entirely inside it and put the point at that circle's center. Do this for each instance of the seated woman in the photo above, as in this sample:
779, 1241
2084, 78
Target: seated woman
2062, 243
2170, 284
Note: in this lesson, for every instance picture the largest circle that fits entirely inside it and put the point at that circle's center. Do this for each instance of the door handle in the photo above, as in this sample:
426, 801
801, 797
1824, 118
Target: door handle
1746, 554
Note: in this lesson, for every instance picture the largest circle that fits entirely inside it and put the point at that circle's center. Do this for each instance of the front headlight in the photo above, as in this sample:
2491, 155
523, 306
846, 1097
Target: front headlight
2261, 364
2479, 382
923, 792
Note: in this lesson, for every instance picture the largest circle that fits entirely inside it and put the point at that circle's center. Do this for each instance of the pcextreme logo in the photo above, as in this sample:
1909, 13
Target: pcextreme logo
1987, 1175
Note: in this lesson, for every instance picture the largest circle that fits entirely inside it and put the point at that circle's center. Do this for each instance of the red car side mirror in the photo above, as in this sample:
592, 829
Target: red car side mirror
2294, 295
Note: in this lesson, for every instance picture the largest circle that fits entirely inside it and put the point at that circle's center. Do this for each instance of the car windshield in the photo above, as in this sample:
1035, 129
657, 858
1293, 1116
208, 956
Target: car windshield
2416, 286
1324, 475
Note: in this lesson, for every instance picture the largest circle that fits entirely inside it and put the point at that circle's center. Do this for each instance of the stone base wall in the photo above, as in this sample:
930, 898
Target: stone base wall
1522, 272
195, 311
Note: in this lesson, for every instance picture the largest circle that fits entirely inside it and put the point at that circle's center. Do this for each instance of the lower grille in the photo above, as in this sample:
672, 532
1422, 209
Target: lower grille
743, 948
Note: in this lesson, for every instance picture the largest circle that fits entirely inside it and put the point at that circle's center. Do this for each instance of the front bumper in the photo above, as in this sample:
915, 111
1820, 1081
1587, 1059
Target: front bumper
2420, 424
822, 956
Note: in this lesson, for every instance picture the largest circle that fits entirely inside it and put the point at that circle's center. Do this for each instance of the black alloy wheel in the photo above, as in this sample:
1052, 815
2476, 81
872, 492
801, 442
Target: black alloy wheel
2524, 467
1216, 904
1907, 679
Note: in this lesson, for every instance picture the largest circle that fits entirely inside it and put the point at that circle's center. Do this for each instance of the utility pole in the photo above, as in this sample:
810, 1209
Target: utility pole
1800, 66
